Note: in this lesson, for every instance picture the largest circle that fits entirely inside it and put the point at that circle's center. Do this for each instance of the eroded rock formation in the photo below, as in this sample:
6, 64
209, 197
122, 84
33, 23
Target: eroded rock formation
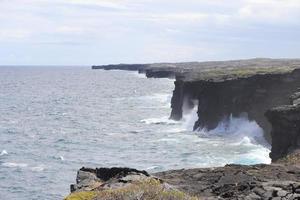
285, 128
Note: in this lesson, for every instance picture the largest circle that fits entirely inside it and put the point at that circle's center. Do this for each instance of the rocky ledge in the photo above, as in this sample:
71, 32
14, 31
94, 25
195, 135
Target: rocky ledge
276, 181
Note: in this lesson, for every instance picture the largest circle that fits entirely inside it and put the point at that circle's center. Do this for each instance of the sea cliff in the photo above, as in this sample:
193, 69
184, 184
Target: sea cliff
255, 88
264, 90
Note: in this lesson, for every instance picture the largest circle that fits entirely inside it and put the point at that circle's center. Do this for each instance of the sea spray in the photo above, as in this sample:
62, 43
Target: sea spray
190, 117
239, 128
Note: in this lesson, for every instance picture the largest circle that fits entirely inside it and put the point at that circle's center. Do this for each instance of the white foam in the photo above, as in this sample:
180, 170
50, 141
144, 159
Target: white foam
138, 75
162, 120
39, 168
175, 130
14, 165
152, 168
239, 128
189, 118
61, 158
160, 97
3, 152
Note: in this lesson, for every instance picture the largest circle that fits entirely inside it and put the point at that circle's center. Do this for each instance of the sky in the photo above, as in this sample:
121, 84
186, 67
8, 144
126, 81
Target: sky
90, 32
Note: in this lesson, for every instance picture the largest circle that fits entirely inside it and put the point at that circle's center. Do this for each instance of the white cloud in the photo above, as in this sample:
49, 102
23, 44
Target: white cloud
114, 4
174, 29
13, 34
271, 11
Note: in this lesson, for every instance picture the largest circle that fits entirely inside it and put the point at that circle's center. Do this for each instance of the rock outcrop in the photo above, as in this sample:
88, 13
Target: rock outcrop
285, 132
229, 182
122, 184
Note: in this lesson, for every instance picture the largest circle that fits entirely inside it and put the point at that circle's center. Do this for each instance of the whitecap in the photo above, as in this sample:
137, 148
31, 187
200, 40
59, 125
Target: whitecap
152, 168
162, 120
175, 130
61, 158
14, 165
38, 168
3, 152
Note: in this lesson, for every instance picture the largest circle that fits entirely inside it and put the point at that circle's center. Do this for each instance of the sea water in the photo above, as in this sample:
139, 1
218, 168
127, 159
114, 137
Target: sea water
54, 120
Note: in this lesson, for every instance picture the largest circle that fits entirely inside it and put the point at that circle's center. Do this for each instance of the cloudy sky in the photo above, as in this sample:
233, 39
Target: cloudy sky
85, 32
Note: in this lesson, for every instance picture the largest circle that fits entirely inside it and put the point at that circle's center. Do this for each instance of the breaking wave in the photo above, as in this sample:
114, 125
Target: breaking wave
3, 152
162, 120
14, 165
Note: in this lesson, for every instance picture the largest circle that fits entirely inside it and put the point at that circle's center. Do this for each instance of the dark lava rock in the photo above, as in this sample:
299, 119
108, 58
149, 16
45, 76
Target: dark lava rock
274, 181
237, 182
285, 132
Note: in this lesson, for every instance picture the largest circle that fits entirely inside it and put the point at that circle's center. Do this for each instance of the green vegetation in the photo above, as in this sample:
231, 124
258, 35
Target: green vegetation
90, 195
241, 72
151, 189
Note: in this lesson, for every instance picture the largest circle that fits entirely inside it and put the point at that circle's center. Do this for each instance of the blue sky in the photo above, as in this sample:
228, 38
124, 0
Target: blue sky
86, 32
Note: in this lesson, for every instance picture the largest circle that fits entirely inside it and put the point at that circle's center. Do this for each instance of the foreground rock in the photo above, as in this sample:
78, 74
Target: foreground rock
121, 183
238, 182
276, 181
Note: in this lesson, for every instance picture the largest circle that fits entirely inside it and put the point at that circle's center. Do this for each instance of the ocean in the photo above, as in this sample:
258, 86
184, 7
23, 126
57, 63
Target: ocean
54, 120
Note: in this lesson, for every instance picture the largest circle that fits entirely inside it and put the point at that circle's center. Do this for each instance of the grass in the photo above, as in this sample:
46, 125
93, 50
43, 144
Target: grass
222, 73
86, 195
150, 189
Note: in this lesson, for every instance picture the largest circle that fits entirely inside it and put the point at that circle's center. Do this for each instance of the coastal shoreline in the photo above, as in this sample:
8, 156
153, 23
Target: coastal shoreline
267, 90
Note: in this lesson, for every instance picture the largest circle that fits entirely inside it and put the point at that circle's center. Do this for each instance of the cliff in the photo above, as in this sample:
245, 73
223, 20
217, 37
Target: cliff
266, 90
285, 132
222, 89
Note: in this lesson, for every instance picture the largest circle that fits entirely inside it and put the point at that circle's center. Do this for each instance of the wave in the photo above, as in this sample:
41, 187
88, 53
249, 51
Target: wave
39, 168
15, 165
3, 152
238, 128
162, 120
159, 97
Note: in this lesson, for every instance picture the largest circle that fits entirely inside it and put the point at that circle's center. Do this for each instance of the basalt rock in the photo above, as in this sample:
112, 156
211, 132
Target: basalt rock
121, 183
229, 182
237, 182
285, 128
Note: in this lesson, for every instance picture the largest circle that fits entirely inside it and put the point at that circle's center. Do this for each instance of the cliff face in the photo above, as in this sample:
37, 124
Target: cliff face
233, 88
285, 132
252, 96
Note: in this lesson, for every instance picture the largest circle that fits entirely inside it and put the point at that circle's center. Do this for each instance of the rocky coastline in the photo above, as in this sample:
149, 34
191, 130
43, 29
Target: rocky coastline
264, 90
